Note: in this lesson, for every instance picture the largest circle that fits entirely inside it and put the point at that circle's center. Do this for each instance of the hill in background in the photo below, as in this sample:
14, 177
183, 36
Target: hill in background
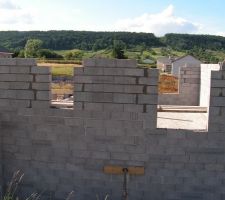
140, 46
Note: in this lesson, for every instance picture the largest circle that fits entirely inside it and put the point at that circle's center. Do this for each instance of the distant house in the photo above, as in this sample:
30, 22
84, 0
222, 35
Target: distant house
172, 65
4, 53
165, 64
187, 60
148, 61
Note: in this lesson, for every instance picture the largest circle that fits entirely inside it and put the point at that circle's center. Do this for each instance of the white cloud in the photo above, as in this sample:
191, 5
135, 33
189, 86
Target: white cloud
13, 17
7, 4
159, 23
220, 33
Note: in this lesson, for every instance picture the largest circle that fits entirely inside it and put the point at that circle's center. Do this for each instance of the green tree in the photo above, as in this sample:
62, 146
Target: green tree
46, 53
118, 49
74, 55
32, 47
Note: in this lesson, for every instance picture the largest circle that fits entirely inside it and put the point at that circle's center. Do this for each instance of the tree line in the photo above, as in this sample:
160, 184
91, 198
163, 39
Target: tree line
22, 43
84, 40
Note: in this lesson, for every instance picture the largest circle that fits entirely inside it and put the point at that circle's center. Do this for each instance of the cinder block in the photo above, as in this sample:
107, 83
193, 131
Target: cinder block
217, 83
120, 156
78, 87
14, 85
4, 69
152, 90
133, 89
100, 155
124, 98
93, 87
26, 61
147, 99
126, 63
148, 81
134, 72
43, 95
94, 123
89, 62
105, 62
114, 71
20, 70
16, 77
94, 106
78, 71
124, 80
69, 121
216, 92
8, 61
40, 104
40, 70
112, 107
78, 105
41, 86
15, 103
133, 108
92, 71
217, 101
113, 88
102, 97
153, 72
43, 78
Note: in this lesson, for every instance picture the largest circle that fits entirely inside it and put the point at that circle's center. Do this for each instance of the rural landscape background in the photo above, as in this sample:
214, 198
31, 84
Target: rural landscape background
63, 50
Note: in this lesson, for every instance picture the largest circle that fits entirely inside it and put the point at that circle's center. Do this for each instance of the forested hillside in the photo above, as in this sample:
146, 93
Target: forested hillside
84, 40
76, 45
188, 42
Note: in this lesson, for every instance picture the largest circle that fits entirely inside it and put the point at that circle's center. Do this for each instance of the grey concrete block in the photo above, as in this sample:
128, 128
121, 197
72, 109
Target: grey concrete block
41, 86
40, 70
133, 89
14, 85
124, 98
126, 63
100, 155
94, 106
217, 83
43, 78
153, 72
16, 77
120, 156
148, 81
43, 95
8, 61
92, 71
147, 99
4, 69
25, 61
20, 70
124, 80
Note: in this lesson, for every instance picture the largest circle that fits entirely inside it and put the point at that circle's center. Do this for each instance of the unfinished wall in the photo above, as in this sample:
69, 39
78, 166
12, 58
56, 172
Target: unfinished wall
189, 89
113, 123
1, 175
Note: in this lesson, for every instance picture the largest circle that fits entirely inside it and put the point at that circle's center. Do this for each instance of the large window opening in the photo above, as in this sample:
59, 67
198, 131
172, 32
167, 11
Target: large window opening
179, 101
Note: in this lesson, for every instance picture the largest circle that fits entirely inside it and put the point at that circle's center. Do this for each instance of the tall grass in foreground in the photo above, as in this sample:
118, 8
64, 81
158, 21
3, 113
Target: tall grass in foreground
16, 180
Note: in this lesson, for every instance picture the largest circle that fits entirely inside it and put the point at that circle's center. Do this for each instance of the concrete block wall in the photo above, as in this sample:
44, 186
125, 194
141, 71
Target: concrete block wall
61, 150
188, 91
117, 86
23, 84
1, 169
205, 87
217, 98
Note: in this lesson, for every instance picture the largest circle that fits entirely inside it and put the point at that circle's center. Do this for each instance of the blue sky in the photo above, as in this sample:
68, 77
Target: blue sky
157, 16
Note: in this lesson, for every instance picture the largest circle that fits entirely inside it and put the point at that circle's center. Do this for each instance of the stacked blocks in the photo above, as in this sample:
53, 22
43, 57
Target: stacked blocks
22, 83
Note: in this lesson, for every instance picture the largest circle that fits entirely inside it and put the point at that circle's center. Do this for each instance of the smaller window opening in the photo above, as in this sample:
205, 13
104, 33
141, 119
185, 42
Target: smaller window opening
168, 84
62, 86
